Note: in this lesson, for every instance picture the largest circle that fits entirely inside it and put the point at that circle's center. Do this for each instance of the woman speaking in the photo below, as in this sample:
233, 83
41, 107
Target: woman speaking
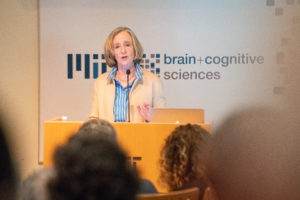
128, 92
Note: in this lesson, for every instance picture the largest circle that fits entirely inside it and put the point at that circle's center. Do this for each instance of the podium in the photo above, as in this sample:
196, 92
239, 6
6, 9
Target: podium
141, 141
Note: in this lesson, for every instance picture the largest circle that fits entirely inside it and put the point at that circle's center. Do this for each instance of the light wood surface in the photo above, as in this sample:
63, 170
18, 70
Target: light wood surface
184, 194
177, 115
141, 141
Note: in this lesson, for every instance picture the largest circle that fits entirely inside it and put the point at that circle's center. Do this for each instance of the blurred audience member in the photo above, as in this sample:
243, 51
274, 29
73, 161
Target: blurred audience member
34, 187
255, 155
183, 157
99, 126
8, 176
90, 167
146, 187
106, 130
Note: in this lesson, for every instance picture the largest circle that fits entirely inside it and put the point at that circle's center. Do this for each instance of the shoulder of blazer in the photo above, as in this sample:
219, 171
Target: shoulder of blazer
102, 79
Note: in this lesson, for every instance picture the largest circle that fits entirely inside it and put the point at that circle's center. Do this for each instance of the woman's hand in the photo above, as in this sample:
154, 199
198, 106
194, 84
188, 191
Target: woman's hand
145, 111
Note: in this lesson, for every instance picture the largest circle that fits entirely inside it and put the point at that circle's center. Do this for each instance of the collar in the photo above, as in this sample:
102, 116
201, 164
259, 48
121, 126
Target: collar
138, 72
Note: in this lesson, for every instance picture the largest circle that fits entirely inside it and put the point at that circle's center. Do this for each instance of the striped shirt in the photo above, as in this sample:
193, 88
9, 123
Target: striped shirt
121, 99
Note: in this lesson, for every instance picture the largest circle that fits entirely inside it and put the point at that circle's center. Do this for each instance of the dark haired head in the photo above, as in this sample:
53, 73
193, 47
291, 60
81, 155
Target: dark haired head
99, 126
8, 176
92, 167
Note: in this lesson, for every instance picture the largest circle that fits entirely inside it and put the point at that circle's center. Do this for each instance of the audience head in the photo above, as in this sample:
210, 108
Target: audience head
255, 155
8, 176
34, 187
183, 156
146, 187
99, 126
92, 167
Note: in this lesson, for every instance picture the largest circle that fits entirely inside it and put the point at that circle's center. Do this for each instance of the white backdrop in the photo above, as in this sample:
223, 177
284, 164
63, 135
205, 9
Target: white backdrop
208, 31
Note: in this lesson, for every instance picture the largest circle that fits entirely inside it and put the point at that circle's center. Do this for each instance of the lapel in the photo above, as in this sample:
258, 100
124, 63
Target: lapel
110, 96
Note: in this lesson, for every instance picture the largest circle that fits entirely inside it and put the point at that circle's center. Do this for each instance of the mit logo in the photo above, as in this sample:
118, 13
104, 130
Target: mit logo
149, 62
85, 65
91, 64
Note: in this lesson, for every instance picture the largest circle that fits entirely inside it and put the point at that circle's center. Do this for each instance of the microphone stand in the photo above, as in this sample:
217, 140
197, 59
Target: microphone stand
128, 106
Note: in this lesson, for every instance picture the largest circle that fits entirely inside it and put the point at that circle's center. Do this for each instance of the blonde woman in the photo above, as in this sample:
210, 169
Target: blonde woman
123, 53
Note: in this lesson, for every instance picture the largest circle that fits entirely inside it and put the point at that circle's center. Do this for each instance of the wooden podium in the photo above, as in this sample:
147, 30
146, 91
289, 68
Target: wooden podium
141, 141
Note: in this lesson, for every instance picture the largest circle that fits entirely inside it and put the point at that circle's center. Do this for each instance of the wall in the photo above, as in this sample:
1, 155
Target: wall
180, 39
19, 79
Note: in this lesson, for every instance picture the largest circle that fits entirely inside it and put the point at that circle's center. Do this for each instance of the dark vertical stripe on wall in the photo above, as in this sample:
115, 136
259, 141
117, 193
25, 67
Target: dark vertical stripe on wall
95, 56
104, 68
78, 62
87, 66
95, 70
70, 66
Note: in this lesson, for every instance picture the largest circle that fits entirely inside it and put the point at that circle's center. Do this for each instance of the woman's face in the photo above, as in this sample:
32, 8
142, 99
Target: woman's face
123, 50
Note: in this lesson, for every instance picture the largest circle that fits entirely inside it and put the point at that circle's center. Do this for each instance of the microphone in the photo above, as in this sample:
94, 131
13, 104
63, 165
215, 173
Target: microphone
128, 106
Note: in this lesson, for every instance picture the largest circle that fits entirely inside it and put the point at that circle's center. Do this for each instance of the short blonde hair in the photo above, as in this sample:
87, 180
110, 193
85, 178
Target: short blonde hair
108, 47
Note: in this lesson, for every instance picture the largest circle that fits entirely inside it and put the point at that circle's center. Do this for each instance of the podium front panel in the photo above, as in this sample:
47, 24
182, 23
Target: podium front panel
141, 141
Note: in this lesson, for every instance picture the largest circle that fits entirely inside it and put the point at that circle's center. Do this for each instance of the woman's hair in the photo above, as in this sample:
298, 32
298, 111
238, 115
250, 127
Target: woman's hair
108, 47
183, 156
